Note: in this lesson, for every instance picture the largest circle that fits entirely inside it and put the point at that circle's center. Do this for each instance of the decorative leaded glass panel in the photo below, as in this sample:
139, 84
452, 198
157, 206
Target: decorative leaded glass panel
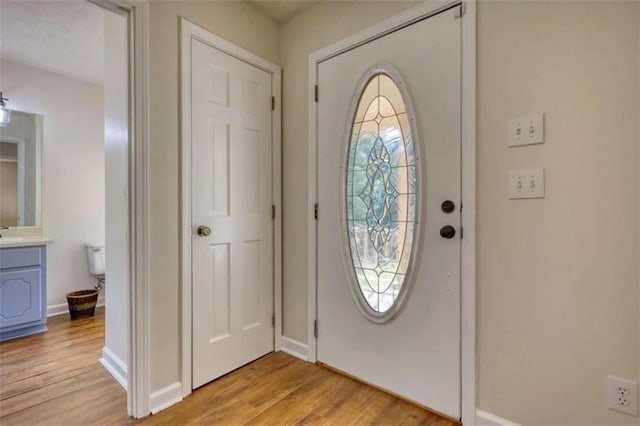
380, 196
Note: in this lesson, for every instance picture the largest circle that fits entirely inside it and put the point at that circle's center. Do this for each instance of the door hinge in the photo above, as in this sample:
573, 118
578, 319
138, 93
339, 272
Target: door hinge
315, 328
316, 93
459, 11
273, 103
273, 320
461, 232
315, 211
273, 211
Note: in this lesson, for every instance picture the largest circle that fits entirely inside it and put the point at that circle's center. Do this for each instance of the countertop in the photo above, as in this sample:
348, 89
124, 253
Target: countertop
32, 240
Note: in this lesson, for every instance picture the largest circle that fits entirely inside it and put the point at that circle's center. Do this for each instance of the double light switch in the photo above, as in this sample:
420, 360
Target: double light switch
527, 183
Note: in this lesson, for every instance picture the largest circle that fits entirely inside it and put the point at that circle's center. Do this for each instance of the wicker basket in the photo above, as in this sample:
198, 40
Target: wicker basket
82, 303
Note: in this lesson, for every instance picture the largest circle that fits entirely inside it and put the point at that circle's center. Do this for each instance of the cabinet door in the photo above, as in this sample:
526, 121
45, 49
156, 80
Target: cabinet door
21, 296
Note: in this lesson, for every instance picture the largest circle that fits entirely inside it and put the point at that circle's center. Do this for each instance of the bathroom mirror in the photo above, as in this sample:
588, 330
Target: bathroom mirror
20, 170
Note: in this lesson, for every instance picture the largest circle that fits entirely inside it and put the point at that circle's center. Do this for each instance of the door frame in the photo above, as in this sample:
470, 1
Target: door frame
138, 362
189, 31
468, 132
20, 165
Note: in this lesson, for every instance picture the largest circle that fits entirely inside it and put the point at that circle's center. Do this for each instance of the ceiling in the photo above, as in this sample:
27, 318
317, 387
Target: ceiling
66, 37
282, 11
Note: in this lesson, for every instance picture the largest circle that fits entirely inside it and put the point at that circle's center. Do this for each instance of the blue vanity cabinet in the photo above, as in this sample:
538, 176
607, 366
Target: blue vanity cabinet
23, 291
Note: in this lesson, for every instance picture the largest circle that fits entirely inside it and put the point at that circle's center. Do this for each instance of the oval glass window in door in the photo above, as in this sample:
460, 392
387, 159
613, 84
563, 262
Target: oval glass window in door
381, 196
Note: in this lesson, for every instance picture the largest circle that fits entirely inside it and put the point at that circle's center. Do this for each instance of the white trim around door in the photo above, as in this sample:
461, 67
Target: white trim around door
468, 273
138, 368
191, 31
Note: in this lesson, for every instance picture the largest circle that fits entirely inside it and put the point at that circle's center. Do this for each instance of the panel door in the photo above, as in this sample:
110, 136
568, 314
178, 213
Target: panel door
232, 267
411, 349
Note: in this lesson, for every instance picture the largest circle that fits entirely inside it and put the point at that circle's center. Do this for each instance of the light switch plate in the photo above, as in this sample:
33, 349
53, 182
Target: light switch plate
528, 183
526, 130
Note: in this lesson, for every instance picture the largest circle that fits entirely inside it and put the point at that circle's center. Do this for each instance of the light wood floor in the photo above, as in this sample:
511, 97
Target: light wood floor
55, 379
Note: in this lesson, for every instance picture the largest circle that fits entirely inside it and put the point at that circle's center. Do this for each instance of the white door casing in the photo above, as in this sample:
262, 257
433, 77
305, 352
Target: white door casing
417, 353
231, 194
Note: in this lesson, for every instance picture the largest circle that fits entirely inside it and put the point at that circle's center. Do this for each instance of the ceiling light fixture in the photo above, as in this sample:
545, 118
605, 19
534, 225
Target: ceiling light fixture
5, 113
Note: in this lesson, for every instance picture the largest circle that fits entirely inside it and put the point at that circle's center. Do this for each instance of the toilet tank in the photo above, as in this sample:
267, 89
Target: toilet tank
95, 256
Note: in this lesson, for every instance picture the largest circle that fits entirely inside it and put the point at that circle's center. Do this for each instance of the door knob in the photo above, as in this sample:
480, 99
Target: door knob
447, 232
203, 231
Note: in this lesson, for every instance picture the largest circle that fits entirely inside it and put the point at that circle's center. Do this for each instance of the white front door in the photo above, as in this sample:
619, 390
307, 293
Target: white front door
389, 191
232, 255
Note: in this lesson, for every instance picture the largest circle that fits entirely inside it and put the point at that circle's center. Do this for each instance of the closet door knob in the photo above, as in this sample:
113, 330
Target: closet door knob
203, 231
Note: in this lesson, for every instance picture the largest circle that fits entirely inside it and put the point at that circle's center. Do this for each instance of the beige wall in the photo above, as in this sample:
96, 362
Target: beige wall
558, 286
241, 24
72, 170
557, 283
558, 278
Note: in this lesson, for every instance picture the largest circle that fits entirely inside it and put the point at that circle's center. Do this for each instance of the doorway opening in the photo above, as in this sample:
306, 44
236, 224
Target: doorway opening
76, 67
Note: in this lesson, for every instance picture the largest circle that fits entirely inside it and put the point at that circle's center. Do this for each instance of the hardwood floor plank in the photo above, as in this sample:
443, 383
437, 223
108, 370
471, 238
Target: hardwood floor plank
61, 365
55, 379
297, 404
39, 397
97, 411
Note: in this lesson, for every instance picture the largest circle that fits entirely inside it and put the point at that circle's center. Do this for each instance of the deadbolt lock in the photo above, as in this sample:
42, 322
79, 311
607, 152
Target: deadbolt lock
203, 231
448, 206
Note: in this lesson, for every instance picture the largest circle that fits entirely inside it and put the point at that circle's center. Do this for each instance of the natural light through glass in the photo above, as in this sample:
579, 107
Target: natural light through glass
381, 193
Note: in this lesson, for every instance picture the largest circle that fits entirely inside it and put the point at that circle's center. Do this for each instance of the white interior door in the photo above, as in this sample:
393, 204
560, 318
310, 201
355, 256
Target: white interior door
388, 281
232, 267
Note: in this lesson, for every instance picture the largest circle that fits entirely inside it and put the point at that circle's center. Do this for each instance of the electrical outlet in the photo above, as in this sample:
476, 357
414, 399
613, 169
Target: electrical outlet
527, 183
526, 130
622, 395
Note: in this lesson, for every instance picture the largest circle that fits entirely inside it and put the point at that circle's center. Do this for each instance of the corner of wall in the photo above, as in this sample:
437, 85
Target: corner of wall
295, 348
63, 308
114, 366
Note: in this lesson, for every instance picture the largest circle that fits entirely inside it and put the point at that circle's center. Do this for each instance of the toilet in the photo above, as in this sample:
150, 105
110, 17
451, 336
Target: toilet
96, 258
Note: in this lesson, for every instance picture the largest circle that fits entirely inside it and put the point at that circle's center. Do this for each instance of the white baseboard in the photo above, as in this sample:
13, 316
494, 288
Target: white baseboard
63, 308
165, 397
295, 348
115, 366
487, 419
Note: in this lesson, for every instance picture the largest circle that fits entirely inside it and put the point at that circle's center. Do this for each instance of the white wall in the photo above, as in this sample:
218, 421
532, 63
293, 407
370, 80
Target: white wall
241, 24
558, 287
73, 168
117, 195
